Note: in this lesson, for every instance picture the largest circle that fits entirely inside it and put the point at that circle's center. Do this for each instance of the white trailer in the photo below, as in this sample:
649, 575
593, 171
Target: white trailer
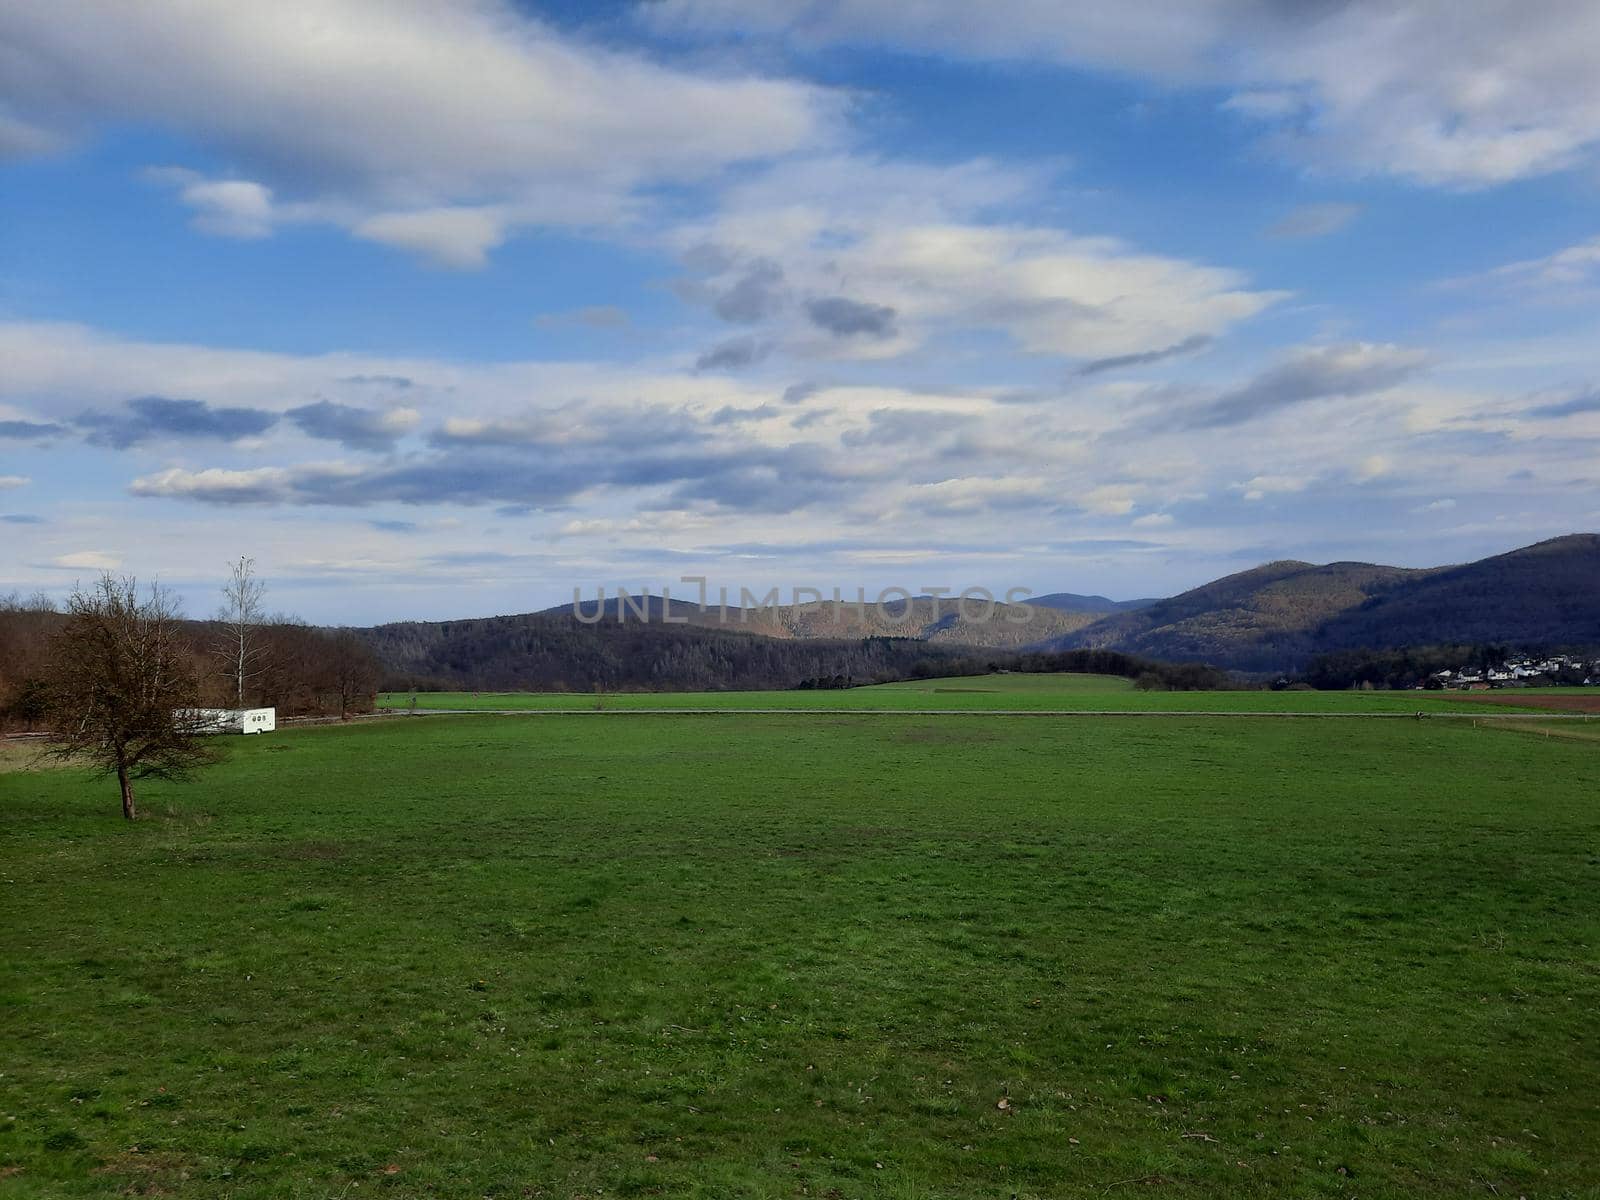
235, 720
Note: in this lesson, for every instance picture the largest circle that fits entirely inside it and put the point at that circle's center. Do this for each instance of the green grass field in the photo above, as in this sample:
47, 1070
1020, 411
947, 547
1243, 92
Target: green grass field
727, 956
1035, 692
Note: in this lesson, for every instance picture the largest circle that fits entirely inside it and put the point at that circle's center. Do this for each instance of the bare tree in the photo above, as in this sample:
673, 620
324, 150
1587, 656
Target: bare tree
241, 646
122, 687
354, 672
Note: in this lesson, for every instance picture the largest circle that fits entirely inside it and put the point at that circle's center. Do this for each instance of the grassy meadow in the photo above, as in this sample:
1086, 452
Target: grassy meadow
1036, 692
730, 956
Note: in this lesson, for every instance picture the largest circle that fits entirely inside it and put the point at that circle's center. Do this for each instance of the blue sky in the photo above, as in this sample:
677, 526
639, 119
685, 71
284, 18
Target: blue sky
439, 309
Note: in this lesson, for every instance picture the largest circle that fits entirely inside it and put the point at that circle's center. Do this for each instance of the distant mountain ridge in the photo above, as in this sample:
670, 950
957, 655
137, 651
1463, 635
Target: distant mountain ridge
1275, 617
1272, 618
1072, 602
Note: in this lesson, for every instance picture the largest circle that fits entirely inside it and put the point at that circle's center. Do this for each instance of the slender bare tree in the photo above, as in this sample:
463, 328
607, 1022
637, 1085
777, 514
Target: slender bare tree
242, 648
122, 687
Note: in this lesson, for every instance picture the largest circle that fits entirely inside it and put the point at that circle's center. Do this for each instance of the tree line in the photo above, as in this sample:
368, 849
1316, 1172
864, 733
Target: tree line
121, 681
242, 658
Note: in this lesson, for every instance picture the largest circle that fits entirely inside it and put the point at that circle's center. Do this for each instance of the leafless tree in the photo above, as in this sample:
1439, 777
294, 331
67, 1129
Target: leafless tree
354, 672
122, 687
241, 646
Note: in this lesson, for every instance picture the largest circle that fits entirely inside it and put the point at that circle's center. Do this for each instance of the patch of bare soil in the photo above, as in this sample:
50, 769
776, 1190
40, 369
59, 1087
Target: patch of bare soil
1513, 699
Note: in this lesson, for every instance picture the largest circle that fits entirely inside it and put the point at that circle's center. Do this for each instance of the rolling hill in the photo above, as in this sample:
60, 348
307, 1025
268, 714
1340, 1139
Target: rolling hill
1260, 619
1545, 594
653, 643
556, 652
1276, 616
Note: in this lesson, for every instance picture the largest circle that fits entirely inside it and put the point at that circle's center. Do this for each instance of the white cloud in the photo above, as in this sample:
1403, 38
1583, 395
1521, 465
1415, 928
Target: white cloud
646, 525
1111, 500
908, 243
358, 108
57, 369
450, 237
11, 482
1445, 92
1265, 105
614, 468
1572, 269
230, 207
1262, 486
1315, 220
1054, 293
88, 560
979, 494
213, 484
1442, 92
1374, 466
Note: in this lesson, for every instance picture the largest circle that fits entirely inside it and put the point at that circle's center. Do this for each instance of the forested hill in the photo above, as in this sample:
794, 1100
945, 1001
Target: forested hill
1260, 619
1277, 616
1542, 595
556, 652
651, 643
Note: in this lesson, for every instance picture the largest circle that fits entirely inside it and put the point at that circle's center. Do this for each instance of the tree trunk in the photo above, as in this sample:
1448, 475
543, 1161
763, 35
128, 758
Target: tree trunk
129, 812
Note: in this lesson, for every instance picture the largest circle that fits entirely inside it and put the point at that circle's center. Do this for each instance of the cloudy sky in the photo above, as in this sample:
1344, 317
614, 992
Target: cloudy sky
444, 307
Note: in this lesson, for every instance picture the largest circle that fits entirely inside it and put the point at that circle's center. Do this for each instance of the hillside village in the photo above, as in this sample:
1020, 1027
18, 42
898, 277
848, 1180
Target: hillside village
1556, 670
